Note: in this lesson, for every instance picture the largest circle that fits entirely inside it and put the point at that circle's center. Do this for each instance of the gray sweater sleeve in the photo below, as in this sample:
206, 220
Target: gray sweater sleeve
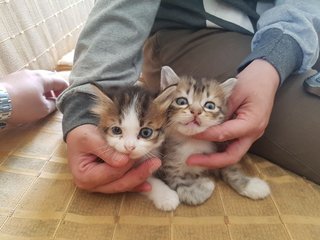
288, 37
280, 50
109, 51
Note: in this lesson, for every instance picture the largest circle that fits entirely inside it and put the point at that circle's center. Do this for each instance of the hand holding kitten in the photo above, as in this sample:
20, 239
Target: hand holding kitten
251, 101
114, 174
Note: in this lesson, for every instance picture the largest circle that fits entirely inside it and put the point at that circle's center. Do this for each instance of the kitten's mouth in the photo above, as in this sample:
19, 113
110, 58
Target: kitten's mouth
194, 122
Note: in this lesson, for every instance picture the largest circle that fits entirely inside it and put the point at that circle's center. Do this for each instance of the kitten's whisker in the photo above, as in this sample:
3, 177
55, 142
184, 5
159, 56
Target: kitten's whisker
102, 147
106, 150
153, 155
150, 155
103, 150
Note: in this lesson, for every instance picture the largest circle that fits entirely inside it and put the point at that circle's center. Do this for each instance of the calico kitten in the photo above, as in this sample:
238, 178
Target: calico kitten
132, 121
198, 105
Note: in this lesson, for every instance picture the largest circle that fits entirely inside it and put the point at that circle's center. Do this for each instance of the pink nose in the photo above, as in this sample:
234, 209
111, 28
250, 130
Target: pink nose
129, 147
195, 111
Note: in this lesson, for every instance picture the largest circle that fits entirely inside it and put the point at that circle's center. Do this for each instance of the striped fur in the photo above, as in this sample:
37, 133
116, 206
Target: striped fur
188, 115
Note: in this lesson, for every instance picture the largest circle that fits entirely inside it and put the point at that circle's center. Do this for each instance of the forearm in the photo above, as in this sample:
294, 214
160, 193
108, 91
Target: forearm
110, 45
287, 37
77, 112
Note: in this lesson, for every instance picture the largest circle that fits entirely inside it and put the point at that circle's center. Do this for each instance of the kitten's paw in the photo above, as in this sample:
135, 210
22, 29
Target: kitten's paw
168, 201
256, 189
197, 193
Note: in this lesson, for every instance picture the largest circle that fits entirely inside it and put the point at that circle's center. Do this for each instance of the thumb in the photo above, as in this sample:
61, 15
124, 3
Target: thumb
226, 131
87, 139
50, 105
54, 83
109, 154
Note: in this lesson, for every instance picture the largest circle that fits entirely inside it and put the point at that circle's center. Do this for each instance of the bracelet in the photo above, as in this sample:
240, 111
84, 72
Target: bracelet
5, 107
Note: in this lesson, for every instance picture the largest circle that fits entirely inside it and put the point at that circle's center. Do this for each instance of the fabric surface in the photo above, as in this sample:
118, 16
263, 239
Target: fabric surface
38, 200
34, 34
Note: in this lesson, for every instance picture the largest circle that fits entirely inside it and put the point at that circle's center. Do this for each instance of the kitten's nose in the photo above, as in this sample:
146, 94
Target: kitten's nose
129, 147
195, 111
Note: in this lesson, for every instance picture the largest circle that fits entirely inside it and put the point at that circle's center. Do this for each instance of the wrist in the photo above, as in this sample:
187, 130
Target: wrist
261, 71
81, 132
73, 116
5, 106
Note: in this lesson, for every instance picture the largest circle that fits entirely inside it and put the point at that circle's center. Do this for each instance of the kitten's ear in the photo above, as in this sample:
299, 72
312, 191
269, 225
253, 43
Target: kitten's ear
168, 77
165, 97
228, 86
102, 101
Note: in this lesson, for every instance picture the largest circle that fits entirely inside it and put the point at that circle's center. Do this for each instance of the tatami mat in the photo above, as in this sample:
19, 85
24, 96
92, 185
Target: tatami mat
38, 200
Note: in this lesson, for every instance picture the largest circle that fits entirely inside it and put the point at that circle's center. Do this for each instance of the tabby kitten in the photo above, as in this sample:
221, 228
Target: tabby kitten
132, 122
198, 105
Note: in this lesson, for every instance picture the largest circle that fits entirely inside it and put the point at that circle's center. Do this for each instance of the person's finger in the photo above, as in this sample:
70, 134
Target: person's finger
110, 155
91, 174
229, 130
144, 187
57, 93
50, 105
54, 83
233, 104
50, 95
99, 147
234, 152
88, 138
132, 179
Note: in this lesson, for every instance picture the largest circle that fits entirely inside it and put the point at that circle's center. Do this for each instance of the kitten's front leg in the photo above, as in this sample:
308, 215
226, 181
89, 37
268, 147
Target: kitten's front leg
163, 197
197, 192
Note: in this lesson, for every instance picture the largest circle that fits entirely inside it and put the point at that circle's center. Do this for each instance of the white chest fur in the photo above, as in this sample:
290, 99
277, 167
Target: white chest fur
190, 146
194, 146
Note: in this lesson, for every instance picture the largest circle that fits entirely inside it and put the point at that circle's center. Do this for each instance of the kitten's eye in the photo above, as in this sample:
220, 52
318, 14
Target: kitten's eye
116, 130
210, 105
146, 132
182, 101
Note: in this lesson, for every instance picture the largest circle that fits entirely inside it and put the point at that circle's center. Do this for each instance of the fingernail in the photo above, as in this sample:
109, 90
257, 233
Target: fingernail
119, 160
191, 161
144, 187
123, 160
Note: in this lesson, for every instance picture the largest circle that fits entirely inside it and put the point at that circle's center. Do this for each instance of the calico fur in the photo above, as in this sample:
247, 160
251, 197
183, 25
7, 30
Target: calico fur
131, 119
126, 115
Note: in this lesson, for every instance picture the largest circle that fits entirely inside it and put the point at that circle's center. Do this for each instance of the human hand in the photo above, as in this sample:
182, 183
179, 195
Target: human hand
115, 174
251, 101
32, 94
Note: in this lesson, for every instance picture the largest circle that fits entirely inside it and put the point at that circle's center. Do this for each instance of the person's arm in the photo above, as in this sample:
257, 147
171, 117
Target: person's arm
286, 42
287, 37
31, 94
109, 51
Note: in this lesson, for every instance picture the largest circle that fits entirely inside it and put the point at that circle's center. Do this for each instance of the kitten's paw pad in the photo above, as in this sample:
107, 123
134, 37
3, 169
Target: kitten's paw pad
197, 193
169, 201
256, 189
